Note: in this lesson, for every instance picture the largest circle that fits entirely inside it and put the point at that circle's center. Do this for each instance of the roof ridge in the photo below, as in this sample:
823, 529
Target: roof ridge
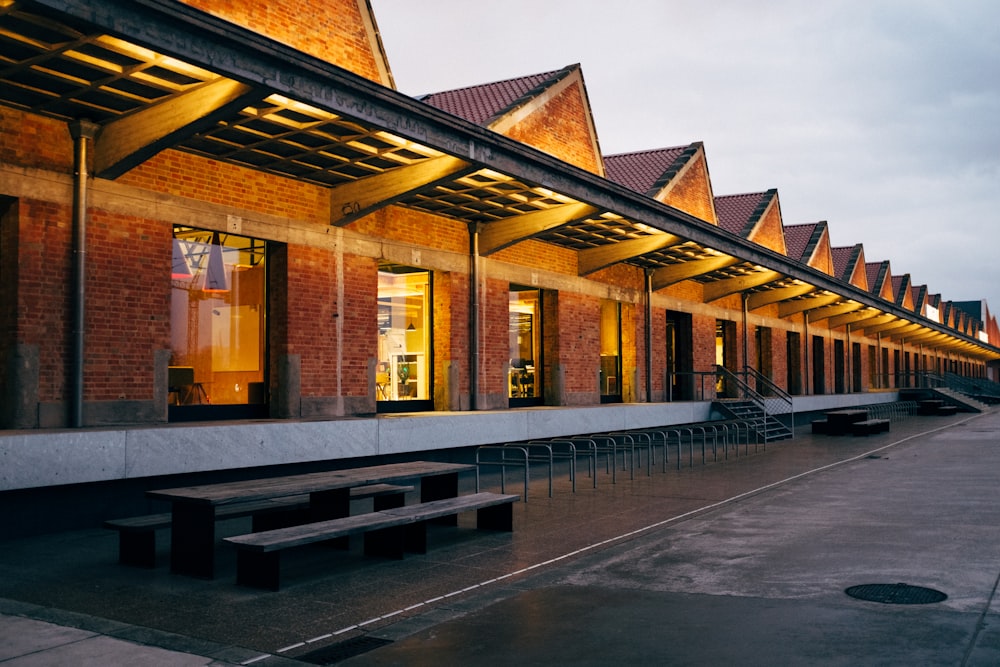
489, 83
548, 80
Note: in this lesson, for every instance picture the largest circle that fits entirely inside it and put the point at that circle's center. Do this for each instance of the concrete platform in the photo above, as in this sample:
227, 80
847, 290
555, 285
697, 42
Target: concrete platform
740, 561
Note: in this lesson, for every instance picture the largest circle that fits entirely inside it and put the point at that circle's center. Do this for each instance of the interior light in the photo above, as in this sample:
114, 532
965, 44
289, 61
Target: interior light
180, 269
215, 272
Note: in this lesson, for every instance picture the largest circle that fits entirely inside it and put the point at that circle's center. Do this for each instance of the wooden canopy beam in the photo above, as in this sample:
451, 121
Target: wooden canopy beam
825, 312
130, 140
594, 259
668, 275
502, 233
352, 200
789, 308
852, 318
761, 299
723, 288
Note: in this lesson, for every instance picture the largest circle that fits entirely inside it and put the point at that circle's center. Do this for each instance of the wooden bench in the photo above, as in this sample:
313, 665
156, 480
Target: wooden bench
137, 534
870, 426
388, 533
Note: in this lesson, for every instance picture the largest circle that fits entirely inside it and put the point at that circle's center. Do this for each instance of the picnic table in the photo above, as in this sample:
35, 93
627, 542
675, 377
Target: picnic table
839, 421
193, 508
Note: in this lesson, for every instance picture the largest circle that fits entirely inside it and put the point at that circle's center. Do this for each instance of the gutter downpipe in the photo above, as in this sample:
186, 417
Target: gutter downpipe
81, 131
649, 336
808, 357
473, 315
746, 334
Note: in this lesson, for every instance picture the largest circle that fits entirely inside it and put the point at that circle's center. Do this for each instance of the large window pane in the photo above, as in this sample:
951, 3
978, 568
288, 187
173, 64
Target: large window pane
525, 342
403, 370
611, 336
217, 319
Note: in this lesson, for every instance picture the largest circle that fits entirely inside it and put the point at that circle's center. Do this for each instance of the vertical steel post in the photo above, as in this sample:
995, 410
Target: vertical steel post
82, 131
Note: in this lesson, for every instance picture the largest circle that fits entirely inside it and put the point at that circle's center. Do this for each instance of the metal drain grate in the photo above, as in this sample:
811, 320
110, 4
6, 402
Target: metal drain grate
896, 594
331, 655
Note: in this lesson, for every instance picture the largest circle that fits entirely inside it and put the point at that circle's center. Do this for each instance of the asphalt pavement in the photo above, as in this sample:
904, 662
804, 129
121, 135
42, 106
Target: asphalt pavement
742, 560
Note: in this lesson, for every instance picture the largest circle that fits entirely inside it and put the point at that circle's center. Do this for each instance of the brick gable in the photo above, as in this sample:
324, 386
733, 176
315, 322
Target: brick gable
341, 32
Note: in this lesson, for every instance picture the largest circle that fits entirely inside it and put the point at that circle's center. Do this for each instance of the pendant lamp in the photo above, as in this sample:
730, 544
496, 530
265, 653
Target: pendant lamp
180, 269
215, 272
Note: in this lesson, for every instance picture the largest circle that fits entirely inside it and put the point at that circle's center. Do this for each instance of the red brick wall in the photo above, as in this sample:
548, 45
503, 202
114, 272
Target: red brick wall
769, 231
692, 193
659, 357
34, 141
416, 227
358, 314
194, 177
332, 30
451, 337
43, 300
314, 313
495, 349
128, 305
579, 346
561, 128
540, 255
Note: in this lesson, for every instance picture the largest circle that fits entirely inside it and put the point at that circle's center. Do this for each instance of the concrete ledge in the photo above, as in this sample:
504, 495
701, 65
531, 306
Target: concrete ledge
32, 459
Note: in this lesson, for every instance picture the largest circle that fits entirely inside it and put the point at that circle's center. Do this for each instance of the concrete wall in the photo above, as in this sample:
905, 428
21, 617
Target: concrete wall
33, 459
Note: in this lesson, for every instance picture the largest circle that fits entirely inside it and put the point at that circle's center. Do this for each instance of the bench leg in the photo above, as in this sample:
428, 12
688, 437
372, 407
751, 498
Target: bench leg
192, 540
385, 543
258, 570
415, 537
137, 548
497, 517
388, 501
272, 520
333, 504
438, 487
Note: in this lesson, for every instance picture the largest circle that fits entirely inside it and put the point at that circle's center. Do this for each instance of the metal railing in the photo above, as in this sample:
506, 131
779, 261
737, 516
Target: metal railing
733, 383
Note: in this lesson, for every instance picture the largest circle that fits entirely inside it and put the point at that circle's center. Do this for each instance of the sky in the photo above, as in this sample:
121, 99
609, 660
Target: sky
880, 117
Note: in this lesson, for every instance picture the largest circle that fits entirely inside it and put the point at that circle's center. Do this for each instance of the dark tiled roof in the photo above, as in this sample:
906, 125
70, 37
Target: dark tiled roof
739, 213
485, 103
871, 271
797, 239
900, 287
844, 261
644, 171
919, 294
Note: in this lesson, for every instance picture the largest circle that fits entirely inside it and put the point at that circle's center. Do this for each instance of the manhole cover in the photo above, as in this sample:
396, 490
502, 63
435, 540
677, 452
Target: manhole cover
896, 594
331, 655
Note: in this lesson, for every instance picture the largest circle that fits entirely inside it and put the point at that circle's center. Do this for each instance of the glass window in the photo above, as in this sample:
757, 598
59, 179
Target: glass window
525, 342
403, 370
217, 319
611, 327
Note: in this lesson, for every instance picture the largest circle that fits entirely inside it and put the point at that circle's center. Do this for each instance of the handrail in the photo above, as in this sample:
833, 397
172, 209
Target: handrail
745, 391
778, 392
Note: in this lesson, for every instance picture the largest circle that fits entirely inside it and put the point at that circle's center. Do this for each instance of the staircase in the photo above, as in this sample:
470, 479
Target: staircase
752, 407
980, 390
768, 427
964, 402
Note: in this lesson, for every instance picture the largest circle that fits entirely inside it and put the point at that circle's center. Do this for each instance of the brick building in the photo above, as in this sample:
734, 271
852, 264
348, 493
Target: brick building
340, 252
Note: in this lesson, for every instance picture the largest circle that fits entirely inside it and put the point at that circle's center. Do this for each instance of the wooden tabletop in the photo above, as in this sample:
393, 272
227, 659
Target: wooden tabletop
292, 485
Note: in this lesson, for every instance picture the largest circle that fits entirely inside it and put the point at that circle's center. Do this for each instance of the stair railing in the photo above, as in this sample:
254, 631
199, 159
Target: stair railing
772, 394
744, 391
